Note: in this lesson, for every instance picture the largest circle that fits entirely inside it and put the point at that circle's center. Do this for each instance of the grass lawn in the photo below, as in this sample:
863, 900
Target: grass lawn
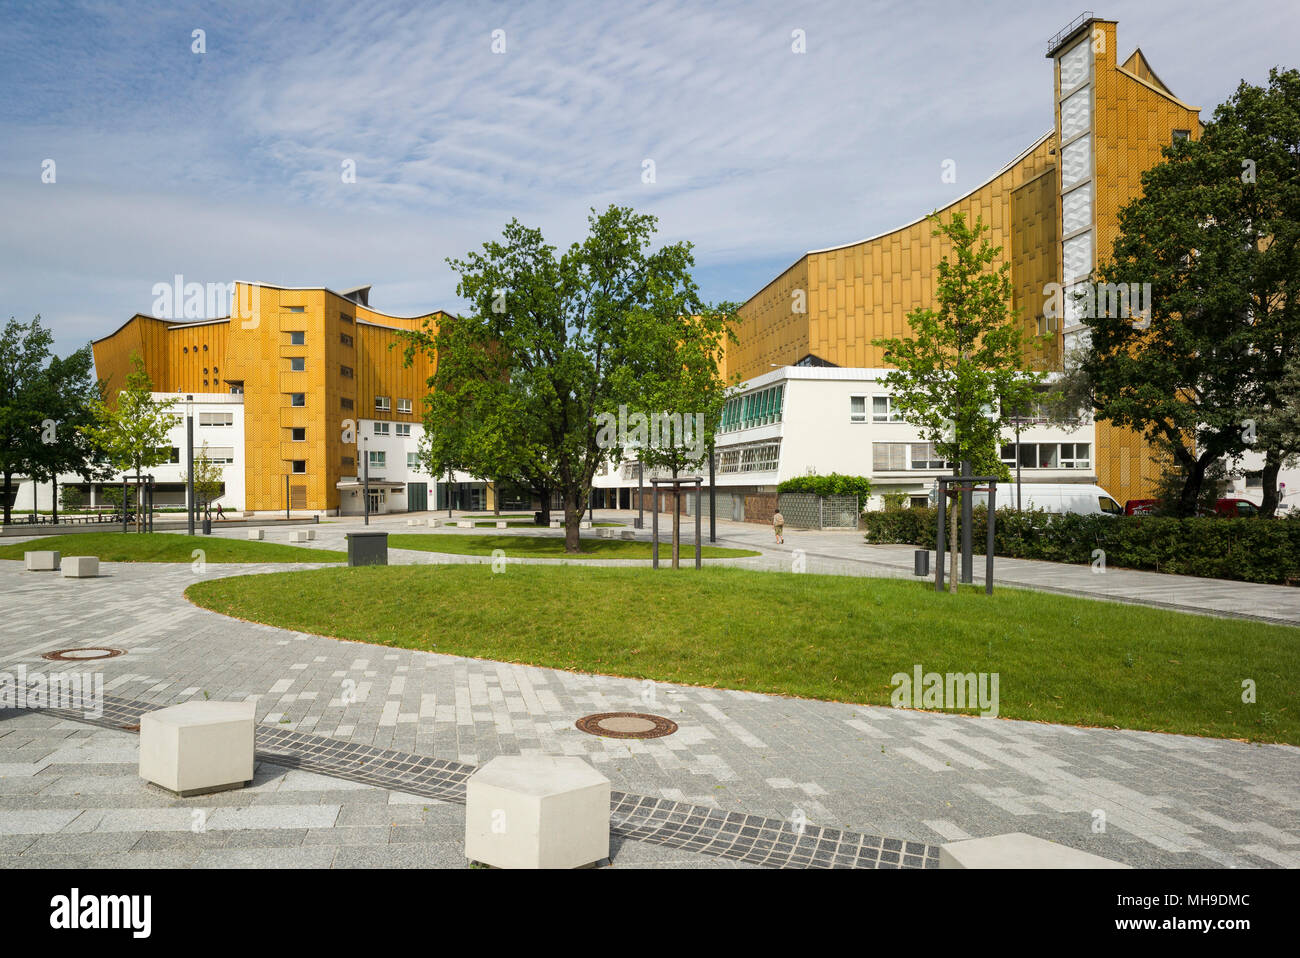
549, 547
1059, 659
166, 547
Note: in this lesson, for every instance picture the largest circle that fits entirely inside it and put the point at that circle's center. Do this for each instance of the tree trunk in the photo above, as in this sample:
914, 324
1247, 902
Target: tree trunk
1191, 494
1269, 501
677, 527
5, 492
954, 507
54, 504
572, 516
544, 502
138, 529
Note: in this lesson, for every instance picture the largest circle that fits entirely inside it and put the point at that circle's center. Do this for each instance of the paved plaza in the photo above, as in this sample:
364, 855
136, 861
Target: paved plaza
69, 794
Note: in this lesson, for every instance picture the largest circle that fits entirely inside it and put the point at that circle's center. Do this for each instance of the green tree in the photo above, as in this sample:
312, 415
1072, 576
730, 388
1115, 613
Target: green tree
134, 431
44, 401
208, 479
1216, 235
963, 371
518, 383
681, 391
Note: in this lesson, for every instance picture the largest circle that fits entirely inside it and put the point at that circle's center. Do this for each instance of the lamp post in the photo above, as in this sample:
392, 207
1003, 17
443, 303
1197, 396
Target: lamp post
189, 465
713, 498
365, 477
640, 493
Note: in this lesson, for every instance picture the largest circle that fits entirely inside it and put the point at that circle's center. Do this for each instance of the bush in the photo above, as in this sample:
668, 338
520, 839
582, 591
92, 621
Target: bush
1247, 550
832, 485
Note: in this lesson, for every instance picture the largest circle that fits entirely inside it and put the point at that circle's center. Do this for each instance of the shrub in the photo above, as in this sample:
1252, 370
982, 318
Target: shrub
1248, 550
832, 485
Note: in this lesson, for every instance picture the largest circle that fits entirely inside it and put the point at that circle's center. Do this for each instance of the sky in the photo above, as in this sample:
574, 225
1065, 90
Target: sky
230, 163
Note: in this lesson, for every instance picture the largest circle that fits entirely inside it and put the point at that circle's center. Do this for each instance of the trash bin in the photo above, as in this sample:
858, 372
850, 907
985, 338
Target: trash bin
367, 548
921, 562
207, 527
537, 519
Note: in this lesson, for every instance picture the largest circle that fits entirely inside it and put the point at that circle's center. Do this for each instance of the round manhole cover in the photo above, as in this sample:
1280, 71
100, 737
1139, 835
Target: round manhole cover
626, 725
82, 655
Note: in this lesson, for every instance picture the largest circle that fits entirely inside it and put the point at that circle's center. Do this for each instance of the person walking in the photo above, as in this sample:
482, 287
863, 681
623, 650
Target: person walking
778, 526
221, 513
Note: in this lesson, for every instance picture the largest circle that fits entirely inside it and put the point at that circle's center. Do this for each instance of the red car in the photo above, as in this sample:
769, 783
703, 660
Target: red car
1231, 507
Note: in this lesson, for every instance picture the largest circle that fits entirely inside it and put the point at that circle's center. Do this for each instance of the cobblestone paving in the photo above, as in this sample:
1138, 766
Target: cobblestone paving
1140, 798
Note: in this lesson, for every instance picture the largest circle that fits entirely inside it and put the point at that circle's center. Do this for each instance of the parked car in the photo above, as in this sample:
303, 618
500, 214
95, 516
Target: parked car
1231, 507
1072, 497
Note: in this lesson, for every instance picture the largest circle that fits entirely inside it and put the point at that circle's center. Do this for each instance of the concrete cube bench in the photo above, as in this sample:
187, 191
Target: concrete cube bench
198, 747
257, 533
414, 522
41, 561
502, 524
584, 524
537, 811
1017, 850
555, 523
80, 567
434, 523
311, 535
627, 534
465, 524
298, 535
607, 533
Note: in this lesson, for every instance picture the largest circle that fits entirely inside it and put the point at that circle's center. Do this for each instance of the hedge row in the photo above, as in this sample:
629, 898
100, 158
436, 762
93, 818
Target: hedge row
832, 485
1248, 550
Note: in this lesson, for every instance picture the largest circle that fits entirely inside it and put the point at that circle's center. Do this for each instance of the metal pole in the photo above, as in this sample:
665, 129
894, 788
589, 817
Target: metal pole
988, 549
1018, 509
941, 542
640, 494
124, 507
54, 505
967, 501
713, 498
189, 469
449, 478
286, 495
698, 548
654, 534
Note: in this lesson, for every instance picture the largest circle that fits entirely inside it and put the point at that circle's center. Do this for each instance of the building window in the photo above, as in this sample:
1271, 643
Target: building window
345, 372
216, 419
1074, 455
345, 339
413, 461
883, 409
904, 456
381, 429
345, 402
296, 309
345, 317
1180, 135
382, 403
857, 409
349, 461
1047, 455
299, 466
404, 405
924, 456
218, 454
299, 434
236, 389
297, 399
378, 458
753, 409
175, 455
403, 429
297, 363
1255, 479
297, 338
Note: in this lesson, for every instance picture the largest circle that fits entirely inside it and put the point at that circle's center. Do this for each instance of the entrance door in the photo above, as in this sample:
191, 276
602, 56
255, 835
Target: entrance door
417, 497
374, 503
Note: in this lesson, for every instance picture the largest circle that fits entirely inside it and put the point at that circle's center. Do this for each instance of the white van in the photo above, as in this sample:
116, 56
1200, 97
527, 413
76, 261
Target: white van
1072, 497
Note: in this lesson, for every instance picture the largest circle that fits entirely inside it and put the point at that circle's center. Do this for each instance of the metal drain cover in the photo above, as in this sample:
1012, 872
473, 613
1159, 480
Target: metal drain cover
82, 655
626, 725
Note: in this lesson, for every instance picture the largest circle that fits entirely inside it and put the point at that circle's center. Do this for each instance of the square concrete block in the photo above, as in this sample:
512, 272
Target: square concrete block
584, 524
555, 523
631, 534
502, 524
465, 524
257, 533
1017, 850
41, 561
537, 811
311, 535
298, 535
414, 522
80, 567
434, 523
198, 747
607, 533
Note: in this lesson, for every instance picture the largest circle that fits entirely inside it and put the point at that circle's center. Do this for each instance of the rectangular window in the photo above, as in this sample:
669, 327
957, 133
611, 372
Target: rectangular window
175, 455
404, 405
297, 399
413, 461
889, 456
924, 456
297, 364
1075, 455
378, 458
216, 419
345, 372
296, 309
884, 410
345, 402
382, 403
857, 409
381, 429
404, 429
218, 454
299, 466
298, 338
1008, 453
1182, 135
1028, 454
349, 461
299, 434
345, 339
345, 317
